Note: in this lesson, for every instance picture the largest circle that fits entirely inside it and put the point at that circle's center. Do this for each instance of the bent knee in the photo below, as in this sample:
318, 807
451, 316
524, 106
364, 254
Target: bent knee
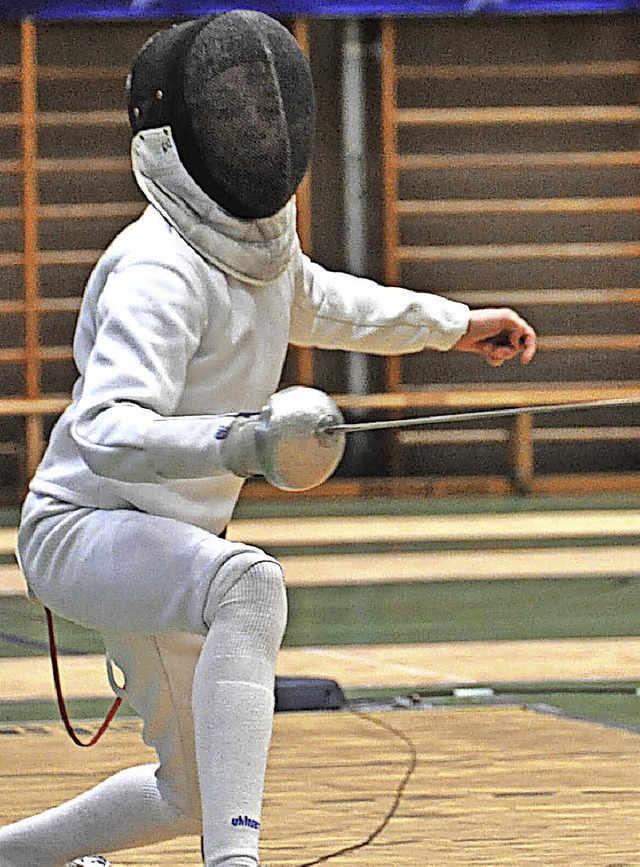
256, 602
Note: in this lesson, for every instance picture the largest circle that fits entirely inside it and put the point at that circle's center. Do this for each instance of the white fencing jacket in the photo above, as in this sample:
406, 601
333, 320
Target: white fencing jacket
187, 317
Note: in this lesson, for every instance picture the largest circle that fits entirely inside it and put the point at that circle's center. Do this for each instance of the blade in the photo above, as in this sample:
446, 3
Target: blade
480, 414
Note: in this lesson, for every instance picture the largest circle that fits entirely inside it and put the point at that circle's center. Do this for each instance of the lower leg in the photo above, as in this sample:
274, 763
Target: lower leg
233, 712
124, 811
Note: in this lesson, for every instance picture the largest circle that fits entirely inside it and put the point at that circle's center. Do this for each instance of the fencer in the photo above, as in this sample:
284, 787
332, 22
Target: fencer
181, 337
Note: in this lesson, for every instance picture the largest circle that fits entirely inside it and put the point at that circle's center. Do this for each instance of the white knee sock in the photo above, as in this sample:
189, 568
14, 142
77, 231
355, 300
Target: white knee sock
233, 702
124, 811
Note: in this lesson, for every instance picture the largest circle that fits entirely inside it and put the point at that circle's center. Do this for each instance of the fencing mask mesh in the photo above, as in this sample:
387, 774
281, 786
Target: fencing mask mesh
236, 91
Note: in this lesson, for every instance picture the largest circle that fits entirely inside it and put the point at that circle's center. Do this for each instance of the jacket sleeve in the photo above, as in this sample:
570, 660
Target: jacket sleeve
332, 310
148, 324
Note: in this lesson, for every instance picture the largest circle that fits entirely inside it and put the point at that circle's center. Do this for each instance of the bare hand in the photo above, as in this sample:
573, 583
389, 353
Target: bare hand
499, 335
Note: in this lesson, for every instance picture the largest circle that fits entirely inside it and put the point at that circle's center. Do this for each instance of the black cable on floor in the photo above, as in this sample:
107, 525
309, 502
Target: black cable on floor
411, 766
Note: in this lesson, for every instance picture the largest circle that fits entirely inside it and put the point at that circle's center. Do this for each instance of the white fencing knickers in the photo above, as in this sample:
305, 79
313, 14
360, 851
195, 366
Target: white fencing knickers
195, 623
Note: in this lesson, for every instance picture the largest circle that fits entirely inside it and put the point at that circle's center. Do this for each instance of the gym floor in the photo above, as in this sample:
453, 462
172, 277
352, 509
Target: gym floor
490, 656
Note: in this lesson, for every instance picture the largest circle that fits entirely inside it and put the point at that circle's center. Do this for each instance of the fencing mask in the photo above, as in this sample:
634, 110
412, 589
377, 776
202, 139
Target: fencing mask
236, 91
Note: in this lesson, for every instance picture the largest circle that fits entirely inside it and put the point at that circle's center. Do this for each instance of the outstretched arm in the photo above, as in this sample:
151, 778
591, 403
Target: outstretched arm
500, 335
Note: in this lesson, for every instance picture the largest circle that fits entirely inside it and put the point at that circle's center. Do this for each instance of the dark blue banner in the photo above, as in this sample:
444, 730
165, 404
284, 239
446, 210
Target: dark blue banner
14, 10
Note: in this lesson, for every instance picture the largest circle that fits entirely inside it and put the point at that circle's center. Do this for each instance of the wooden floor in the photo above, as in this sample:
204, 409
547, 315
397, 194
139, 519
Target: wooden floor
499, 786
492, 785
381, 665
565, 559
360, 529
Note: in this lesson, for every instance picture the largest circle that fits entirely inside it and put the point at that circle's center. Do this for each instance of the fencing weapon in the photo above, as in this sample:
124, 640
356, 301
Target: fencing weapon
301, 433
478, 414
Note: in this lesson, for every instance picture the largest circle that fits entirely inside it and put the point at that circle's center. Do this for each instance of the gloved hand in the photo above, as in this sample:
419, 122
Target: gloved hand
286, 443
238, 446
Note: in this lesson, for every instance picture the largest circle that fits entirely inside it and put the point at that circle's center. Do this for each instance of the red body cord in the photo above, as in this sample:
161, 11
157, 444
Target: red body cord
61, 702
